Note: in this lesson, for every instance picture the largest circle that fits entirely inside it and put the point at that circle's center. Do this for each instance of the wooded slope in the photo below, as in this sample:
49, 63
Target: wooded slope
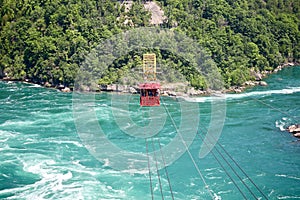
46, 40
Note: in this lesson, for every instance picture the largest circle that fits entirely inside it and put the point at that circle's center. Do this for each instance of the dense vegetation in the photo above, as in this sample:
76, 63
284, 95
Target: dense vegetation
46, 40
241, 34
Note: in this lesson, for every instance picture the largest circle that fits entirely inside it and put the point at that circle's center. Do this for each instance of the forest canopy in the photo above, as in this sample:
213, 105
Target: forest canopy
46, 40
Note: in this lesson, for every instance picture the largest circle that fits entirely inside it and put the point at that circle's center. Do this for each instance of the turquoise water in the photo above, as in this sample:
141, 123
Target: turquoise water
43, 157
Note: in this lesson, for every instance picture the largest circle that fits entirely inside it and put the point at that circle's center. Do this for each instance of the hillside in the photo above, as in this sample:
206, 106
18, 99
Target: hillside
242, 34
45, 41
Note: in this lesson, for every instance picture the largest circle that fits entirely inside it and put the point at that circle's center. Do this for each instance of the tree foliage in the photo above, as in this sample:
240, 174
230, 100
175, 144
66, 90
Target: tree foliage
240, 35
45, 41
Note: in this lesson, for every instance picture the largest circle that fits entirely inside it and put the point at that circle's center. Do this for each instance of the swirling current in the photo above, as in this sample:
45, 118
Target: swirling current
43, 157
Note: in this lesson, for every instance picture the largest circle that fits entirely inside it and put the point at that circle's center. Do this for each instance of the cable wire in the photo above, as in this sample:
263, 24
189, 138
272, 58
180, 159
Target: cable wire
166, 170
234, 171
188, 151
158, 175
226, 152
150, 179
230, 177
272, 107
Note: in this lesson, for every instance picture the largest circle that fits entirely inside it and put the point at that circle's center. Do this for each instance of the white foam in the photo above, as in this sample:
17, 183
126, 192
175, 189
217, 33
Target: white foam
13, 190
213, 177
199, 99
281, 125
7, 134
51, 182
211, 169
288, 197
290, 90
287, 176
224, 192
261, 174
16, 123
56, 180
76, 143
217, 197
4, 140
136, 171
106, 162
34, 86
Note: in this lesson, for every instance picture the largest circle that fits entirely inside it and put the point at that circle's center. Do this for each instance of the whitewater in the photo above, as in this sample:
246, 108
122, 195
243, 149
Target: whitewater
42, 155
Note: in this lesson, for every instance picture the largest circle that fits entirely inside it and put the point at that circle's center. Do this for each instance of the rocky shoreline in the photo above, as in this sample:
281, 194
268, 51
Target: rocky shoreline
259, 76
170, 89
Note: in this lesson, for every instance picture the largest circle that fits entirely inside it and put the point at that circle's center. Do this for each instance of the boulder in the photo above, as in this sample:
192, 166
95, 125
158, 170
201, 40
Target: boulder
263, 83
250, 83
120, 88
297, 135
295, 128
61, 86
112, 87
258, 76
132, 90
66, 89
291, 128
164, 93
172, 93
237, 90
102, 87
194, 92
47, 84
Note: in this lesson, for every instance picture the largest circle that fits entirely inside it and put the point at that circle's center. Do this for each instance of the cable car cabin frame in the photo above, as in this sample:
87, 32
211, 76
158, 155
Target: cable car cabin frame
149, 94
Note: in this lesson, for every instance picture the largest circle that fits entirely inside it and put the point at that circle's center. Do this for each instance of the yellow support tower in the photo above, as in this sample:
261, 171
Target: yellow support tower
149, 67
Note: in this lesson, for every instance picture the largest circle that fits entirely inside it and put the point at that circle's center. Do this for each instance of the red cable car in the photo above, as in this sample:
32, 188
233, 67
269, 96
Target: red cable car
149, 94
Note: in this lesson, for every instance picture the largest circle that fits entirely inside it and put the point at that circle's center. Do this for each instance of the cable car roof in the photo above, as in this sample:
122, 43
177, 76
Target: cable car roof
149, 86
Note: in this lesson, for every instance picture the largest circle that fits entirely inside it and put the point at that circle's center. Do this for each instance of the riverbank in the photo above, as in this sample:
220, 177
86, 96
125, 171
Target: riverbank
259, 78
170, 89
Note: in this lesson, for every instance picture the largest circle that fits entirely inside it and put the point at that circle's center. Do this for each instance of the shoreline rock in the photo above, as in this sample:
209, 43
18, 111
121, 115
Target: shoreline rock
295, 130
259, 76
66, 89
